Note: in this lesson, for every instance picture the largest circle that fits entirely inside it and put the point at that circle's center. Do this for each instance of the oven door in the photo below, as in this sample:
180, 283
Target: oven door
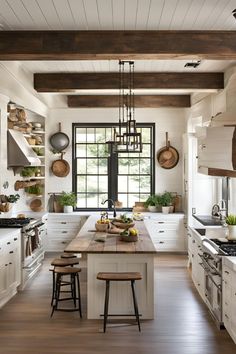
213, 293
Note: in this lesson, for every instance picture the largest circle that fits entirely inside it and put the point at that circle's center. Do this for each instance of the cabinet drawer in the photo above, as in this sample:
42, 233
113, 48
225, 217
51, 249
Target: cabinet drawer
63, 218
61, 234
58, 227
164, 234
169, 245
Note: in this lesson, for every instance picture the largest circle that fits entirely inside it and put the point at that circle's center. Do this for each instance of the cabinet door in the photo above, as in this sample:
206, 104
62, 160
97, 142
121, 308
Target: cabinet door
3, 279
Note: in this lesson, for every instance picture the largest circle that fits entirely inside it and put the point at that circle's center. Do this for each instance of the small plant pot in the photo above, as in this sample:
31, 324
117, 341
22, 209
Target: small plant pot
68, 209
232, 232
152, 208
165, 209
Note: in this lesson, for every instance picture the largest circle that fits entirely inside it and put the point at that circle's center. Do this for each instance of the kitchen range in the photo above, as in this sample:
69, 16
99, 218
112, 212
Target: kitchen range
211, 253
32, 250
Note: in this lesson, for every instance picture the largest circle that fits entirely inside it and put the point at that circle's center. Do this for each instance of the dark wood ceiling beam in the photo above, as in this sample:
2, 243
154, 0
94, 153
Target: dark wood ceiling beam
105, 45
141, 101
59, 82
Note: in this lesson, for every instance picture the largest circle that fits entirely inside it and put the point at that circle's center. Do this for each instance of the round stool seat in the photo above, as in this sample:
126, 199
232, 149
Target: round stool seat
119, 276
62, 262
68, 255
66, 270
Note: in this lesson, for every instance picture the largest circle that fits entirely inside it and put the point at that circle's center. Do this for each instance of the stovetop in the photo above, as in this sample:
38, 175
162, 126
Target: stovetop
227, 246
14, 222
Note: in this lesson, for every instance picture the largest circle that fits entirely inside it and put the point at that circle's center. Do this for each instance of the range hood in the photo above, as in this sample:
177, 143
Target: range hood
19, 152
217, 150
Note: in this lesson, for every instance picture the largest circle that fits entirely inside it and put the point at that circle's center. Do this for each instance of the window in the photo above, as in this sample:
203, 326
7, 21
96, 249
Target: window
97, 175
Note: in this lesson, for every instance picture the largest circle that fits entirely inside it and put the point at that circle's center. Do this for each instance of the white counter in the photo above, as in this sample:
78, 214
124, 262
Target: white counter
230, 262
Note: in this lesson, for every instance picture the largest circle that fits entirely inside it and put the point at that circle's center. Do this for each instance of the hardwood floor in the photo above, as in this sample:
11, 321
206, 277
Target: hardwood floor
182, 323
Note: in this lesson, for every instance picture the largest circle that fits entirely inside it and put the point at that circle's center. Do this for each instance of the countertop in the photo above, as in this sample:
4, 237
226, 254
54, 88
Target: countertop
85, 241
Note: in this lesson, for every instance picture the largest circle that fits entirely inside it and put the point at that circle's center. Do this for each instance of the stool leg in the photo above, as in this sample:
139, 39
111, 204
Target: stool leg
74, 289
135, 305
57, 293
79, 298
106, 305
53, 287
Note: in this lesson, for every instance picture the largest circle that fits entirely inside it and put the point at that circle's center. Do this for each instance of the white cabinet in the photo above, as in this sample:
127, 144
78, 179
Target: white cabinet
10, 264
229, 300
167, 232
195, 253
61, 229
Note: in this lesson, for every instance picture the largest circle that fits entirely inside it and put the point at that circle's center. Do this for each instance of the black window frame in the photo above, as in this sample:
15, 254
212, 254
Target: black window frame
109, 125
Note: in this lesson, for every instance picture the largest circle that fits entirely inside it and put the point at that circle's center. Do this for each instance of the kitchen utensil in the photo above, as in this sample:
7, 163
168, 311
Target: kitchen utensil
61, 167
59, 141
168, 156
36, 204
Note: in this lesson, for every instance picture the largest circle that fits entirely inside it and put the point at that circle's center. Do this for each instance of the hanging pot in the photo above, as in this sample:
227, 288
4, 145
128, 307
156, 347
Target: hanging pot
61, 167
168, 156
59, 141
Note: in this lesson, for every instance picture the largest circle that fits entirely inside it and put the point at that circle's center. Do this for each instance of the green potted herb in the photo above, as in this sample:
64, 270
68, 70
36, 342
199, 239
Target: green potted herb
166, 200
28, 171
231, 222
152, 202
68, 201
36, 189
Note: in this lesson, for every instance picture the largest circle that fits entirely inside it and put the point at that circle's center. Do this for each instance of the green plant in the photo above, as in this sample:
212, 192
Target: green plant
28, 171
68, 199
12, 198
38, 151
231, 220
152, 200
36, 189
165, 199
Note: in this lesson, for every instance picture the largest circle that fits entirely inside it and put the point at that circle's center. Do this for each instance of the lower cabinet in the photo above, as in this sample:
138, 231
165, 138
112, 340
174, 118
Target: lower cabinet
61, 229
195, 250
167, 232
229, 300
10, 264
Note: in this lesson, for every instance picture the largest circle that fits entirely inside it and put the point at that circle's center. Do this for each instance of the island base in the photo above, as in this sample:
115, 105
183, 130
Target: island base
121, 301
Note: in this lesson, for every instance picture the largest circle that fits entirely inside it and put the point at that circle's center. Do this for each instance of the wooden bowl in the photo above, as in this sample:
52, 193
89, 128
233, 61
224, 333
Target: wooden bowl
123, 225
130, 238
101, 227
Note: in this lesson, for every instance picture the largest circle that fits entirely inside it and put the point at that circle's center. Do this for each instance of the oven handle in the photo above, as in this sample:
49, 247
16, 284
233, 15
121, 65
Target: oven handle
209, 265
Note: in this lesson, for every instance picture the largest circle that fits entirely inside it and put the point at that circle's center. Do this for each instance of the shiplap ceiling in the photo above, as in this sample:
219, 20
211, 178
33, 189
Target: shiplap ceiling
119, 15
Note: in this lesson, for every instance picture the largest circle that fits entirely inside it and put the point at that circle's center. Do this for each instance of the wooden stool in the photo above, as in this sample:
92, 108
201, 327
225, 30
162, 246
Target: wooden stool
74, 275
68, 255
61, 262
127, 276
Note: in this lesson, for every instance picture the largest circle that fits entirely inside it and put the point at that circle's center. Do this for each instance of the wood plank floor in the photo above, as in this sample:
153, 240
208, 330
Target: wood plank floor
182, 323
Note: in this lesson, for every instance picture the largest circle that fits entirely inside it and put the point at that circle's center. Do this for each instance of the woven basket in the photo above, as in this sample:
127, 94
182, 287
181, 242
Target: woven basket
5, 207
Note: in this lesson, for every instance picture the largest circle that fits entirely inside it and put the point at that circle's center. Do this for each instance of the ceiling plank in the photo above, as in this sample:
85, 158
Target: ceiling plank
141, 101
57, 82
98, 45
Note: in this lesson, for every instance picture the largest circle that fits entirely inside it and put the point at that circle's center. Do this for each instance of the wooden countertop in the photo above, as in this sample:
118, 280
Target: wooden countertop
85, 241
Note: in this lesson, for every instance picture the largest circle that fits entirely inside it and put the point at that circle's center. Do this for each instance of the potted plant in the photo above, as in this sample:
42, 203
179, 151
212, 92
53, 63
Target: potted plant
166, 201
6, 202
231, 222
68, 201
152, 202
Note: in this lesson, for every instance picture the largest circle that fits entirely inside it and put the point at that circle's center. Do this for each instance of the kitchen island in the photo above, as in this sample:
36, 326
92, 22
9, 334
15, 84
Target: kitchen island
114, 255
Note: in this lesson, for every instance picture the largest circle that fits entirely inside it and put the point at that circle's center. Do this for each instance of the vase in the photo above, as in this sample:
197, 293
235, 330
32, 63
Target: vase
165, 209
232, 232
68, 209
152, 208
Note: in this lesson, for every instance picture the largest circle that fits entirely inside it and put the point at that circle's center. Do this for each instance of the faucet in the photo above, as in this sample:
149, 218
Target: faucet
113, 204
223, 209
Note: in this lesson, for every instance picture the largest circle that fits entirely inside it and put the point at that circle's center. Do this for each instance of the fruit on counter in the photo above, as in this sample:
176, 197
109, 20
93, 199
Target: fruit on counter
133, 232
103, 221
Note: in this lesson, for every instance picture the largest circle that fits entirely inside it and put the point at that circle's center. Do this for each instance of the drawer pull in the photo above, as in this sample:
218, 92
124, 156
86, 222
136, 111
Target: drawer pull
226, 316
226, 272
64, 232
6, 265
161, 231
16, 238
161, 222
11, 252
8, 243
10, 263
63, 222
161, 242
64, 242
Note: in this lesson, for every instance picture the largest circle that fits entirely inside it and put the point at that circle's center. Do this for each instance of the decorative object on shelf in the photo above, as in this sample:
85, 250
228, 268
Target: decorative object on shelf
35, 189
39, 151
127, 138
168, 156
7, 200
152, 202
166, 200
36, 204
68, 201
231, 222
61, 167
23, 184
59, 140
17, 119
29, 171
